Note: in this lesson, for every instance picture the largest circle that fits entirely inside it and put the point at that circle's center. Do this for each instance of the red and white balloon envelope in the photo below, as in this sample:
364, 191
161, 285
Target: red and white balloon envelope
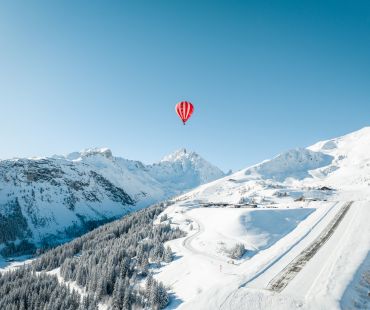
184, 110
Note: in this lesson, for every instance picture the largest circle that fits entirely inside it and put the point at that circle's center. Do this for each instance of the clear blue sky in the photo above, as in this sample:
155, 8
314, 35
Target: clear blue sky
264, 76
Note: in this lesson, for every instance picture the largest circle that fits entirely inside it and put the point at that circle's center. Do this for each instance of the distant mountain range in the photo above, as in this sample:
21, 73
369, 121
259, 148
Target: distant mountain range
52, 199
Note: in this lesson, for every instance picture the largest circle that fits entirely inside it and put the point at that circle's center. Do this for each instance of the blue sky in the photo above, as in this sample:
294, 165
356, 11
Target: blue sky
264, 76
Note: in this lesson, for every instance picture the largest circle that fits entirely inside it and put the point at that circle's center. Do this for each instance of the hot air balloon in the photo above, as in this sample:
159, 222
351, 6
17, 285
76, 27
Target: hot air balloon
184, 110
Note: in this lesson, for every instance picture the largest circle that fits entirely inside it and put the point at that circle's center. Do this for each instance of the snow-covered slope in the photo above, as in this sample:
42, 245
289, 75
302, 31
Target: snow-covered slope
294, 164
47, 200
307, 206
350, 167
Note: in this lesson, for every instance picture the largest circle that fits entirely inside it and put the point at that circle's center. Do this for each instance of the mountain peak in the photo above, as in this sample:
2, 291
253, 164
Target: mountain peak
185, 166
103, 151
179, 155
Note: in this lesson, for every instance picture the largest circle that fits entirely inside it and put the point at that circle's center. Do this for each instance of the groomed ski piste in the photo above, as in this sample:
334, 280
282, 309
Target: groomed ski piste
303, 218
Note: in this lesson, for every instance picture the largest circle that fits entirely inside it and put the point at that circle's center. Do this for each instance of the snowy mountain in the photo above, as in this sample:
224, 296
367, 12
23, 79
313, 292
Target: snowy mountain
290, 232
184, 170
48, 200
341, 164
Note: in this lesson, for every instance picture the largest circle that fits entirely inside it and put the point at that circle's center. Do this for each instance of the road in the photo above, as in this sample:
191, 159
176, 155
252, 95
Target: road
188, 240
187, 243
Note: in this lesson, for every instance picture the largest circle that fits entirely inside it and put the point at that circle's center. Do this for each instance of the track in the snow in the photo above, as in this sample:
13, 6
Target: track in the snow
187, 243
281, 280
188, 240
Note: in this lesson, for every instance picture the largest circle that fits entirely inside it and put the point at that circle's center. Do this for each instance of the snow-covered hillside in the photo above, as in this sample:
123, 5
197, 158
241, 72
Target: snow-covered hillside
341, 164
302, 219
47, 200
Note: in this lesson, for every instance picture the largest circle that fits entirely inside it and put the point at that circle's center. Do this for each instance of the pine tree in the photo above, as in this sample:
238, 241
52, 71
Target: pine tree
127, 300
163, 298
148, 285
118, 294
101, 288
168, 255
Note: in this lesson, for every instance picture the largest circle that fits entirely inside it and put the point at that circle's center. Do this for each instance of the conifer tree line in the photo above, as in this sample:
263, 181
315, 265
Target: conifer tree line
111, 262
22, 289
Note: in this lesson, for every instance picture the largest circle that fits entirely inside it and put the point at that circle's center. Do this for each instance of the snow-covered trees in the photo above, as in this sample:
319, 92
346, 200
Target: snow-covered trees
168, 255
22, 248
156, 294
237, 251
14, 224
119, 292
88, 303
110, 260
163, 218
23, 289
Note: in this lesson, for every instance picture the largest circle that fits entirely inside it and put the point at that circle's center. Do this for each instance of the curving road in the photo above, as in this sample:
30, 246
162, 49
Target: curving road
187, 242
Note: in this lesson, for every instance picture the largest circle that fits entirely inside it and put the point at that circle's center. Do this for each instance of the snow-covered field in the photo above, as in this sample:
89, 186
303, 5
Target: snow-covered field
204, 277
